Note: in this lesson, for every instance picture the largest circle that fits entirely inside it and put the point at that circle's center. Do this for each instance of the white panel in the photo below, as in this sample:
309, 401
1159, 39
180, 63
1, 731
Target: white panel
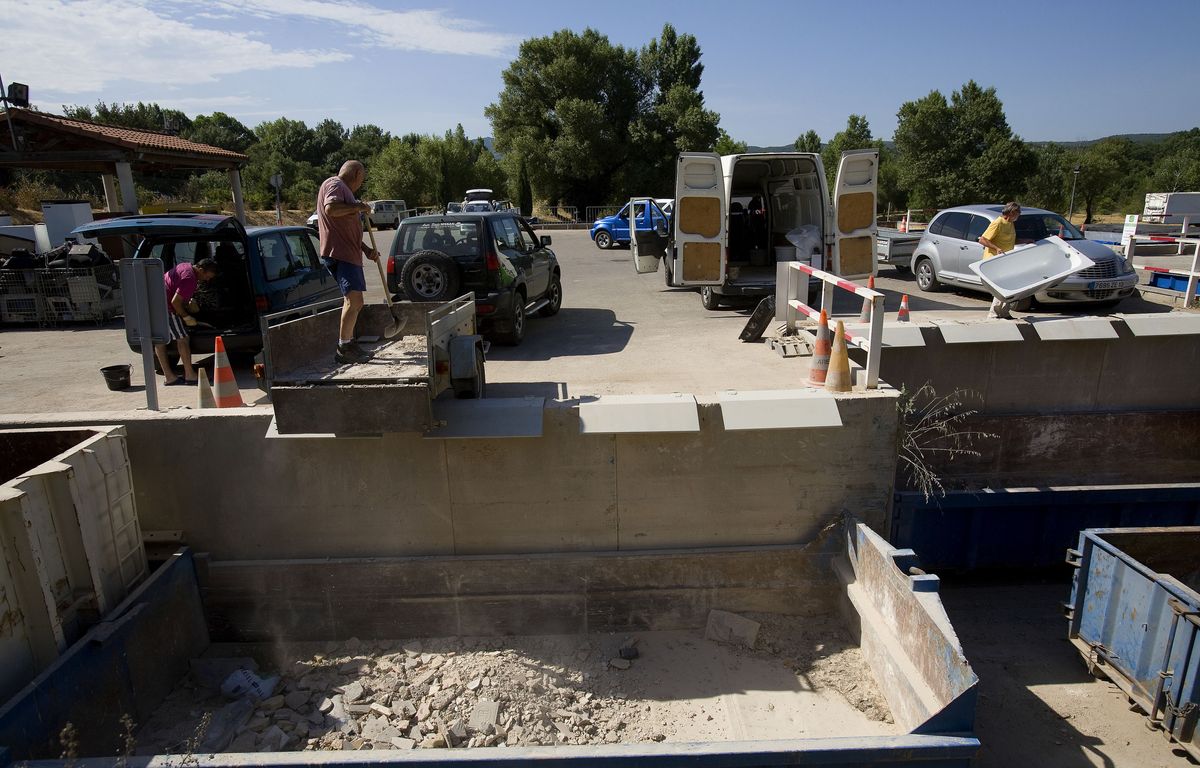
779, 409
619, 414
488, 418
981, 331
895, 334
1166, 324
1072, 329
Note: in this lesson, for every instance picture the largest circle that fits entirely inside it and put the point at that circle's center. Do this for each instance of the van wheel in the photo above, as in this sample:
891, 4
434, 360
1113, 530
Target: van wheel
710, 298
926, 277
429, 276
604, 240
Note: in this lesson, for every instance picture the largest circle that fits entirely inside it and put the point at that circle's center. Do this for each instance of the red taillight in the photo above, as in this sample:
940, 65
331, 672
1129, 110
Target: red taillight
391, 267
493, 261
484, 309
261, 303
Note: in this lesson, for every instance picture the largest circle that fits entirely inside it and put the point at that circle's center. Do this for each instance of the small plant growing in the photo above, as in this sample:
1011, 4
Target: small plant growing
933, 426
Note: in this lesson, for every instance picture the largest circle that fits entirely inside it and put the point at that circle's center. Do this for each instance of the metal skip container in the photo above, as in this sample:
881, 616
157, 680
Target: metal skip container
1135, 618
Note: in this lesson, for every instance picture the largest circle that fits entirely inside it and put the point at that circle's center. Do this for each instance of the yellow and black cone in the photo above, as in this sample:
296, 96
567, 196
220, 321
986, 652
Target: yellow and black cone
839, 379
821, 349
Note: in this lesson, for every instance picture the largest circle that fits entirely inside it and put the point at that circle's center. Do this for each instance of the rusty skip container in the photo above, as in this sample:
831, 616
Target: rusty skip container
1135, 618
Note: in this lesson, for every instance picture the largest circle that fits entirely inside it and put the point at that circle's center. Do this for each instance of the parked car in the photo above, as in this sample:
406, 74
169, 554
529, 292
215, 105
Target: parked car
263, 270
385, 214
494, 255
613, 230
951, 244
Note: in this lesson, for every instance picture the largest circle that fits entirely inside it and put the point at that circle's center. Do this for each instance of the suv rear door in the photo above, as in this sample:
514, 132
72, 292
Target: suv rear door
854, 214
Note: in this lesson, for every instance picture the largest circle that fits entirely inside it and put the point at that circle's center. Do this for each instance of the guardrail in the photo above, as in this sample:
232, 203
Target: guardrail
1191, 274
792, 284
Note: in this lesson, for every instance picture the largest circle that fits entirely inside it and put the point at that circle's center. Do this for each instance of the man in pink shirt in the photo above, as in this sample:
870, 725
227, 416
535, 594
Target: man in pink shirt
180, 284
342, 249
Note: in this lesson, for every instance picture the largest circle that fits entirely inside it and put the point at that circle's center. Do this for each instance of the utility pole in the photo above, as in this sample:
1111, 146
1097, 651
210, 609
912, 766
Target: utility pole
1074, 178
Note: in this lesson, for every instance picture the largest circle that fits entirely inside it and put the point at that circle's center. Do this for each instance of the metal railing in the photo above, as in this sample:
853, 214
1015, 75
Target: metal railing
593, 212
1192, 274
794, 281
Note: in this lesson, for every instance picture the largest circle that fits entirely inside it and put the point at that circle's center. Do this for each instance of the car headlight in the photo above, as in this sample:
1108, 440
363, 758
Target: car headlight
1126, 267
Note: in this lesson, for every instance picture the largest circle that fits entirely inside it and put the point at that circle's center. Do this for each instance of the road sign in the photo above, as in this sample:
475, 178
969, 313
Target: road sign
145, 303
277, 180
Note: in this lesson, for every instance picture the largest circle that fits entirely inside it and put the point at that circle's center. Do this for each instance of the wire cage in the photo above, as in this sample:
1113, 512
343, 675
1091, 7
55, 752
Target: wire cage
20, 301
60, 295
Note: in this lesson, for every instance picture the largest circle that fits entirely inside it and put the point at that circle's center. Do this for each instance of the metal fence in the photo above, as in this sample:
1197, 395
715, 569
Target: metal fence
599, 211
59, 295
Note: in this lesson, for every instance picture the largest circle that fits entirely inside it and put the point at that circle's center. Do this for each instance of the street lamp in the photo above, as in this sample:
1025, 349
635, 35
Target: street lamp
1074, 178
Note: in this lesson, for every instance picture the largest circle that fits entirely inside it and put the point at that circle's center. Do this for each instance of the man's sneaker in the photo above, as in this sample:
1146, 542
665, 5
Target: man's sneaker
347, 354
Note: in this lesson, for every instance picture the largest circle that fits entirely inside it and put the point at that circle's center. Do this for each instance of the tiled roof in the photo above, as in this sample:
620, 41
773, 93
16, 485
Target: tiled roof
129, 137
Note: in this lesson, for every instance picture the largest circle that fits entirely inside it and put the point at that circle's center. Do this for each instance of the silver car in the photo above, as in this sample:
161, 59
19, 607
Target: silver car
951, 244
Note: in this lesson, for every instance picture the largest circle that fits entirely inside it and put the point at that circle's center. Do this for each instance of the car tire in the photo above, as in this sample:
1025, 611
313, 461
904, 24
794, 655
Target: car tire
604, 240
554, 296
926, 276
710, 298
429, 276
516, 334
472, 389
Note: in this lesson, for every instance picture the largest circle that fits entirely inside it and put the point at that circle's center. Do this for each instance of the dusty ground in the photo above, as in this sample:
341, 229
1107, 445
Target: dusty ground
804, 679
1037, 703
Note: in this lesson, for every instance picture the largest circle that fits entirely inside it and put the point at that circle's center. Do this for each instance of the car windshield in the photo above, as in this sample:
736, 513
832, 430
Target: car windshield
453, 238
477, 207
1036, 226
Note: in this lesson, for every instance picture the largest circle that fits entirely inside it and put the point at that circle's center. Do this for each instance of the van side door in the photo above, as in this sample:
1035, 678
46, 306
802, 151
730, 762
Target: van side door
699, 223
854, 227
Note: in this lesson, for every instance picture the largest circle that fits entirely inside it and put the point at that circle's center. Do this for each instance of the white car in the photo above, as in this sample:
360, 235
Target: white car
385, 214
950, 245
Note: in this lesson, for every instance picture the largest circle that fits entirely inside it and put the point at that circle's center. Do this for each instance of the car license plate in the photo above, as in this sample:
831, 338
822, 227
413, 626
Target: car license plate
1103, 285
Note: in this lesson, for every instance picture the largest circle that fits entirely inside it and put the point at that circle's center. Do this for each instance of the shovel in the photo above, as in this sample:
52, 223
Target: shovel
392, 329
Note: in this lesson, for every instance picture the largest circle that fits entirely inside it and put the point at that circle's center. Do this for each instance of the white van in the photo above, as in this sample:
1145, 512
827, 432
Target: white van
388, 213
733, 216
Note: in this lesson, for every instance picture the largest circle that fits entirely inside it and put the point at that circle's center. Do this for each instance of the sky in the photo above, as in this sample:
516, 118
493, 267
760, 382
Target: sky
1066, 70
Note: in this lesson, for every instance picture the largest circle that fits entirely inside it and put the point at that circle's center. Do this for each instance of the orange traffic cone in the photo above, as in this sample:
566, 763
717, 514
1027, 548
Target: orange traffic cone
224, 384
903, 314
839, 363
820, 356
904, 224
205, 398
865, 315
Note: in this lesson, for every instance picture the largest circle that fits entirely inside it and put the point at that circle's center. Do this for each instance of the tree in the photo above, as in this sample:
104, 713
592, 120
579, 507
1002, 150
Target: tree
727, 146
808, 142
1177, 166
961, 151
141, 116
220, 130
1102, 168
1049, 186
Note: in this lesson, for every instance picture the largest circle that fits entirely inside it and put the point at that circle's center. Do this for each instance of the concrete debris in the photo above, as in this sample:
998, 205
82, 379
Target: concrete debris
433, 742
324, 705
619, 663
484, 715
225, 724
271, 704
243, 682
352, 692
296, 700
210, 673
402, 743
726, 627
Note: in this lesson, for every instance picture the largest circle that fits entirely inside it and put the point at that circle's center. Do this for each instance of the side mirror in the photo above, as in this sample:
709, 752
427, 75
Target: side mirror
545, 241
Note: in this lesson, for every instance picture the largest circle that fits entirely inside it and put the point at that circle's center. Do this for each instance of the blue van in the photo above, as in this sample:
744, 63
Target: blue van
263, 270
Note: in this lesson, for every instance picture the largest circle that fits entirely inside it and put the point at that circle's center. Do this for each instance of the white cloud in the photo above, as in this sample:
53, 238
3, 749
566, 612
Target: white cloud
80, 46
431, 31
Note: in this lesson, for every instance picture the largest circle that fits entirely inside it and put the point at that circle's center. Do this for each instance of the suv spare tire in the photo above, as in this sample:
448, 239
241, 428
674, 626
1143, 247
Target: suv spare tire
429, 276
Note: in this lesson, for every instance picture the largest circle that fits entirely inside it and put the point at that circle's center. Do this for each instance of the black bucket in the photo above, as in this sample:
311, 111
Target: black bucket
116, 376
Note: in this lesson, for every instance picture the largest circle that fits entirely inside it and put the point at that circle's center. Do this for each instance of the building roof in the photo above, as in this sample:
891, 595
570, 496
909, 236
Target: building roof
54, 141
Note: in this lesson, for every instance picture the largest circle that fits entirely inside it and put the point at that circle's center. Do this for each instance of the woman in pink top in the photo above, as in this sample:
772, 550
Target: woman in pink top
180, 283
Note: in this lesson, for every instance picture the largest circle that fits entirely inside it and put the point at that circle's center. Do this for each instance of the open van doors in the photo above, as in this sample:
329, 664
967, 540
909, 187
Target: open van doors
647, 234
854, 214
699, 220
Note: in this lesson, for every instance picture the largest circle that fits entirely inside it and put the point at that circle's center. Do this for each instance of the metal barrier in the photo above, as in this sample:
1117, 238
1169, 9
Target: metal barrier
63, 294
792, 284
1191, 274
594, 212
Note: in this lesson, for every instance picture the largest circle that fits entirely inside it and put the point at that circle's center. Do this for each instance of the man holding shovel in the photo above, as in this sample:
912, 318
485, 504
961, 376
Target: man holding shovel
180, 283
998, 238
342, 250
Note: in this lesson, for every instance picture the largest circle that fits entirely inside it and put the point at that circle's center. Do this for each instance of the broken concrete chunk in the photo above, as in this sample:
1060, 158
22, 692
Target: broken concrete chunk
484, 714
629, 649
437, 741
458, 729
404, 708
324, 705
273, 739
380, 709
245, 742
225, 723
619, 663
726, 627
358, 709
378, 729
474, 683
296, 699
403, 743
442, 699
352, 692
271, 704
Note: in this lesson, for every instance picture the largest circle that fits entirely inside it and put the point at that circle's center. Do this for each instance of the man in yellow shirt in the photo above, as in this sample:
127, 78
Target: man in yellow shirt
998, 238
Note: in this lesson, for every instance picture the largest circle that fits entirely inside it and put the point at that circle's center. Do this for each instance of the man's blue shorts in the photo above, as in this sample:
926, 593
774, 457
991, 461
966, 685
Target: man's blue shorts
349, 276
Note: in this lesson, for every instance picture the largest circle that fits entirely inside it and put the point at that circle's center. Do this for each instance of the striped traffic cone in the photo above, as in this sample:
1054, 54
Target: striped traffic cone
865, 315
820, 356
903, 314
205, 398
224, 384
839, 363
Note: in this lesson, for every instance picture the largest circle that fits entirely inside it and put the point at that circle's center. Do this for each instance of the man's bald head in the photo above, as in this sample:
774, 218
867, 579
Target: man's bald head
353, 173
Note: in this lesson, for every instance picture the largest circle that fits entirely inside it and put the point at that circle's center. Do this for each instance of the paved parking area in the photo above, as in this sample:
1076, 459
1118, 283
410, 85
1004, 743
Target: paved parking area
618, 333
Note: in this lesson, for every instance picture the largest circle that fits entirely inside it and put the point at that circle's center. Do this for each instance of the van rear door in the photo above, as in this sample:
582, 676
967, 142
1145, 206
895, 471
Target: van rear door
699, 221
854, 214
648, 234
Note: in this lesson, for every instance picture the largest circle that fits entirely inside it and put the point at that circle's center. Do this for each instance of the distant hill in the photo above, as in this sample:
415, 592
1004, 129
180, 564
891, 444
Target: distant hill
1136, 138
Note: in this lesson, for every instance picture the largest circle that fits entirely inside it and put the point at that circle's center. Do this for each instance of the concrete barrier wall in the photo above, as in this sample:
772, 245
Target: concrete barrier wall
241, 496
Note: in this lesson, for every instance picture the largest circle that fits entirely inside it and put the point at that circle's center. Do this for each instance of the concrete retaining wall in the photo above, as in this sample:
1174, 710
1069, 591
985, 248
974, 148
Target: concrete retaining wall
241, 496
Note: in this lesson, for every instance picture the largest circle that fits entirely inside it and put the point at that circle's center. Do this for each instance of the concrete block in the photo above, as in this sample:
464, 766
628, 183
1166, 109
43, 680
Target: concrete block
490, 417
726, 627
1072, 328
978, 331
486, 713
1165, 324
895, 334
